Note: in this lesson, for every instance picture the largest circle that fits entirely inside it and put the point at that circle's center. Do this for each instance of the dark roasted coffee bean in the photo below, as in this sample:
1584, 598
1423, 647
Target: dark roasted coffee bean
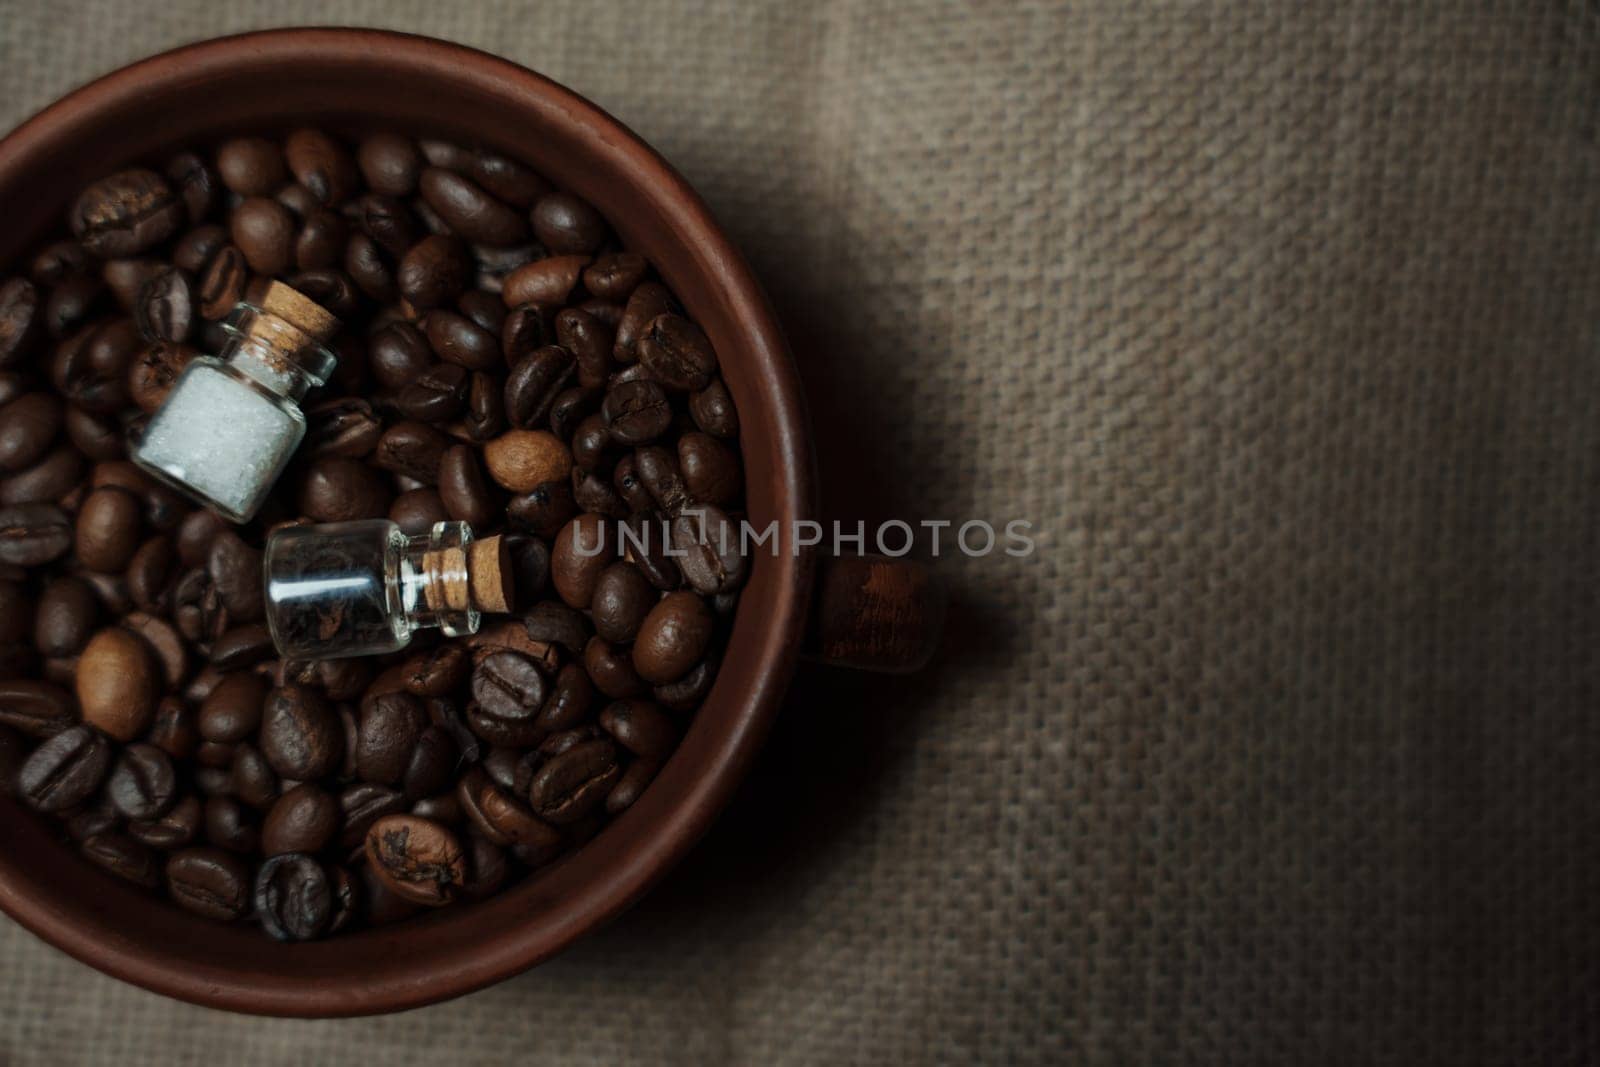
500, 817
333, 289
457, 339
570, 408
15, 612
604, 312
174, 730
565, 224
555, 623
88, 820
52, 478
534, 384
444, 808
126, 277
32, 534
658, 470
413, 449
321, 242
209, 882
125, 857
321, 164
708, 548
526, 330
95, 436
530, 567
65, 770
253, 780
22, 321
213, 781
235, 570
472, 213
438, 672
125, 214
389, 729
38, 709
649, 300
637, 412
485, 309
387, 221
368, 266
293, 898
343, 490
573, 784
622, 599
251, 166
630, 487
194, 249
264, 231
345, 427
304, 819
508, 690
673, 637
232, 711
361, 805
507, 179
416, 512
437, 395
74, 303
155, 371
432, 764
196, 183
108, 529
223, 283
571, 701
710, 469
300, 733
584, 548
165, 309
611, 670
399, 354
639, 773
590, 343
195, 535
241, 647
29, 425
640, 727
142, 784
677, 353
228, 823
65, 618
593, 449
434, 271
545, 282
91, 368
545, 509
420, 860
298, 199
487, 868
216, 754
175, 828
615, 276
390, 163
56, 262
485, 415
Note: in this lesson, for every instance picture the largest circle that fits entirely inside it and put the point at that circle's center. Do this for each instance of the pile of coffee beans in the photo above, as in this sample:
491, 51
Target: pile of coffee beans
503, 362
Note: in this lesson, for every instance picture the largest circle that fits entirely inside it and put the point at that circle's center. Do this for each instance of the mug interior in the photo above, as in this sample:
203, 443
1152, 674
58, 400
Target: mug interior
359, 80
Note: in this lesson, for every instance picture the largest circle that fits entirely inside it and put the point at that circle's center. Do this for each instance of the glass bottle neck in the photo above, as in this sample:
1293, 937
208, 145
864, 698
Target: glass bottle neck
274, 353
431, 582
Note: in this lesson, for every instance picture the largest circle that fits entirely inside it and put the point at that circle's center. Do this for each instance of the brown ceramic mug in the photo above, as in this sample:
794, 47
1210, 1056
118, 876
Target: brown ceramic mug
874, 612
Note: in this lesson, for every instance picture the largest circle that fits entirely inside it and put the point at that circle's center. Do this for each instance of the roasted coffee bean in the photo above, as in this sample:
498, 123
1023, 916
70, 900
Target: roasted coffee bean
499, 817
673, 638
590, 343
143, 784
196, 183
65, 770
573, 784
213, 781
387, 221
251, 166
639, 773
434, 271
445, 808
126, 277
73, 303
565, 224
644, 540
455, 338
300, 733
362, 805
419, 860
555, 623
380, 905
710, 469
570, 702
390, 163
469, 211
15, 612
173, 729
298, 199
91, 367
193, 251
611, 670
615, 276
51, 479
534, 384
399, 354
389, 729
413, 449
228, 823
320, 244
345, 427
342, 490
58, 261
165, 644
641, 728
507, 179
622, 598
530, 567
174, 829
235, 570
437, 672
708, 548
253, 780
437, 395
321, 164
658, 470
677, 353
216, 754
108, 529
209, 882
22, 321
584, 548
93, 435
648, 301
65, 618
485, 415
264, 231
150, 573
523, 460
333, 289
241, 647
29, 425
487, 868
118, 683
125, 214
526, 330
165, 309
368, 266
35, 708
545, 282
304, 819
88, 820
508, 690
223, 283
463, 489
637, 412
416, 512
124, 856
485, 309
155, 371
594, 450
293, 898
432, 764
545, 509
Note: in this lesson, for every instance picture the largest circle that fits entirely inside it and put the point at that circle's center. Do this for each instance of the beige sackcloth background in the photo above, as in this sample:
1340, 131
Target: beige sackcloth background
1278, 320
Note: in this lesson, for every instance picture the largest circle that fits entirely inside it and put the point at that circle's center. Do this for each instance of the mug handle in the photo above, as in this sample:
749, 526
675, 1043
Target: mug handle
874, 613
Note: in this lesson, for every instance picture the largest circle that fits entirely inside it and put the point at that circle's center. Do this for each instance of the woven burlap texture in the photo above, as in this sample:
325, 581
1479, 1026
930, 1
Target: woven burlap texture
1278, 321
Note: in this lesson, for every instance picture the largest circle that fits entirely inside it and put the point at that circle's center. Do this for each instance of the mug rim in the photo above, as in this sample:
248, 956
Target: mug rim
774, 648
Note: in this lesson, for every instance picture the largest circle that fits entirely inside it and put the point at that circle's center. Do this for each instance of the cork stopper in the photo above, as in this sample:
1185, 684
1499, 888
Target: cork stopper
299, 311
446, 588
489, 574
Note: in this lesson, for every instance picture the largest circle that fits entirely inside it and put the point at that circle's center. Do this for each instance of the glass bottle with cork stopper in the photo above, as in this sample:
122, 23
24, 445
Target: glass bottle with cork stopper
364, 588
231, 422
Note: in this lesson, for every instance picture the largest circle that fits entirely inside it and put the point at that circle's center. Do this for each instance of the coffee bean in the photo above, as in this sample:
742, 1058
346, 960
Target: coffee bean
545, 509
437, 395
344, 427
445, 808
584, 548
362, 805
565, 224
253, 780
501, 818
293, 898
304, 819
193, 251
677, 353
637, 412
649, 300
164, 642
320, 244
508, 690
710, 469
174, 829
196, 183
35, 708
51, 479
300, 733
622, 598
544, 282
432, 764
645, 538
173, 729
485, 416
143, 784
368, 266
455, 338
615, 276
341, 490
487, 868
590, 343
228, 823
150, 573
673, 638
507, 179
413, 449
523, 460
264, 231
65, 770
232, 711
65, 618
573, 784
611, 670
108, 529
155, 371
124, 856
165, 308
530, 567
22, 320
93, 435
473, 214
623, 795
419, 860
389, 729
333, 289
223, 283
390, 163
126, 277
91, 367
125, 214
74, 303
209, 882
526, 329
29, 425
118, 684
415, 512
434, 271
534, 384
251, 166
321, 164
570, 702
658, 470
555, 623
710, 555
235, 570
15, 612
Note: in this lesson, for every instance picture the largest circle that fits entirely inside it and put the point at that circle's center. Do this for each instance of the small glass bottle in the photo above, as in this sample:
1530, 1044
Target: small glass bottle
364, 588
231, 422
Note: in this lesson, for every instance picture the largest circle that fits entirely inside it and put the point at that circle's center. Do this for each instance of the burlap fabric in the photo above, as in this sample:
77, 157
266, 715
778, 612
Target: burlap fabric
1278, 320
